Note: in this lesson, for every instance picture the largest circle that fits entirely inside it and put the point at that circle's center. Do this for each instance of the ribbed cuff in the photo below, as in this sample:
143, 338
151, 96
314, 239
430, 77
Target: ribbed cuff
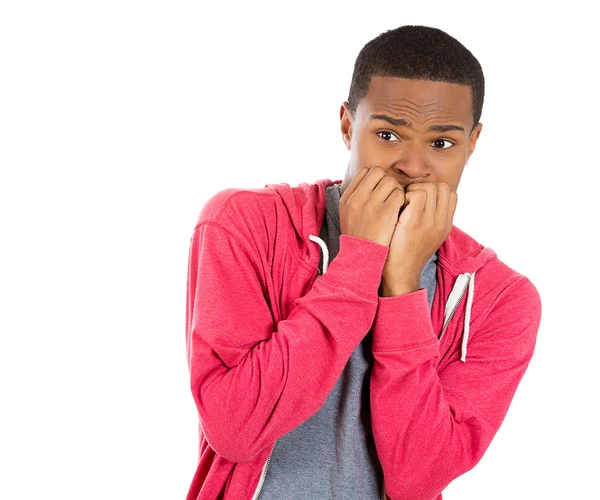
358, 265
402, 321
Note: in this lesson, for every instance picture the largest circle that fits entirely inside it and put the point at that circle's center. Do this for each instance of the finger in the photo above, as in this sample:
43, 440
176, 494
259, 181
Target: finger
384, 189
363, 190
354, 183
413, 213
443, 200
430, 207
452, 208
430, 190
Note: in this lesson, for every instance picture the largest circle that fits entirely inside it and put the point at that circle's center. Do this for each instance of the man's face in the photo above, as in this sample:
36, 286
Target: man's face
430, 141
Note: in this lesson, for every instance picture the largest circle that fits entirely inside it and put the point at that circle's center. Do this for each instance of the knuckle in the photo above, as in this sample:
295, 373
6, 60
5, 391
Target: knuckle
390, 180
352, 204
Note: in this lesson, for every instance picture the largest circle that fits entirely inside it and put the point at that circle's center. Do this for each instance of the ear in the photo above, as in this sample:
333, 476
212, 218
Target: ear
473, 139
346, 120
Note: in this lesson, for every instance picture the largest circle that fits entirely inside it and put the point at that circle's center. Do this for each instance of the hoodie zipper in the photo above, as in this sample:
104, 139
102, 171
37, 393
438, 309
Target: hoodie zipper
263, 475
462, 294
383, 495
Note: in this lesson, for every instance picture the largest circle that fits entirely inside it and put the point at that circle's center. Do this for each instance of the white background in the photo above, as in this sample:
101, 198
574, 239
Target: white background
118, 119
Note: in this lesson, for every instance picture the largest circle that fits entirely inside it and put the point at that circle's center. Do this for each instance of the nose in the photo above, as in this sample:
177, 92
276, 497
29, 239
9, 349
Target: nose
412, 163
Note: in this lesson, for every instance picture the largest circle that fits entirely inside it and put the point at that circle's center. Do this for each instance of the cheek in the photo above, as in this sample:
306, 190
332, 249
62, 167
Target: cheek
370, 152
451, 179
445, 172
360, 141
449, 165
362, 151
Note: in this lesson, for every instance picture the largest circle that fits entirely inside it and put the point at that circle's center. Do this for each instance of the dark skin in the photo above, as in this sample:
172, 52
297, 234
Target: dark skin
425, 152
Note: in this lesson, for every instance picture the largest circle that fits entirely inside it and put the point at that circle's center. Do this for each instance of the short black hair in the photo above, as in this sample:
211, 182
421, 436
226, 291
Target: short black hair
421, 53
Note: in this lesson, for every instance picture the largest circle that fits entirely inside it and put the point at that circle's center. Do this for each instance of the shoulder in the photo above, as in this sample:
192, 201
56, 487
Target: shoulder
507, 297
247, 214
227, 204
493, 274
496, 283
503, 279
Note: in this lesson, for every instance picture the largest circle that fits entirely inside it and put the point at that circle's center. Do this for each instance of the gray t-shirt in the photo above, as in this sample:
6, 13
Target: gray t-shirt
332, 455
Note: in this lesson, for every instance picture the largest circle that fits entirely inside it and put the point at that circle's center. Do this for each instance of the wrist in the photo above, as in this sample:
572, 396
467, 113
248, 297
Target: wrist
395, 289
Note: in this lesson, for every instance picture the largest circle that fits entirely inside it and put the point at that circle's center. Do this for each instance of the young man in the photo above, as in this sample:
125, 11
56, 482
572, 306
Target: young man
379, 358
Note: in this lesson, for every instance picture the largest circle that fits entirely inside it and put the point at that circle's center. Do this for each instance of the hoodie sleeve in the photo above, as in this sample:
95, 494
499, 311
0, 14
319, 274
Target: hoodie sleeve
430, 428
253, 380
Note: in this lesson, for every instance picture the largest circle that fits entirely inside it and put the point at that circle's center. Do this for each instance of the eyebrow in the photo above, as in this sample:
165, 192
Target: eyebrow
401, 122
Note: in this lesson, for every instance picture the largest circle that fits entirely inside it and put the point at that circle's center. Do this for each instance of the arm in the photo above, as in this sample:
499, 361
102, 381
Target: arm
430, 428
253, 380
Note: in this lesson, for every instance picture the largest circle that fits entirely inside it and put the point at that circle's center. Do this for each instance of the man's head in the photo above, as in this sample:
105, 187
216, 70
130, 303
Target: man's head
414, 106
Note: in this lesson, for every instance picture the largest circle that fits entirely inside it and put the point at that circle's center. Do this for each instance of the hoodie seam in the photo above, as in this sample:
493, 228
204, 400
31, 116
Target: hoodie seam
218, 225
447, 265
409, 347
298, 257
240, 192
290, 246
227, 202
349, 288
456, 268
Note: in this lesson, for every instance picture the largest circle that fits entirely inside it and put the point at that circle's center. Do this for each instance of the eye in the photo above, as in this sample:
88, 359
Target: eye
387, 134
439, 144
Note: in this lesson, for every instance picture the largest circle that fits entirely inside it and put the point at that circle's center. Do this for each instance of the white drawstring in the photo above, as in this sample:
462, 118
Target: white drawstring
465, 338
455, 296
324, 249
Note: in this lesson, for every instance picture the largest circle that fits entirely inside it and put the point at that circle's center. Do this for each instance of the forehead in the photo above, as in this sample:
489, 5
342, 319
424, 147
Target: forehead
420, 98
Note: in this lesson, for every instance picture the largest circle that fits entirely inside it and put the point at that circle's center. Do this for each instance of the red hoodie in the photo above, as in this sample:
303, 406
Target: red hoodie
267, 342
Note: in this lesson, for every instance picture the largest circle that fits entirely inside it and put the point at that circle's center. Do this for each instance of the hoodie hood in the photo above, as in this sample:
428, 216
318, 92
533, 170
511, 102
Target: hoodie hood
460, 255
